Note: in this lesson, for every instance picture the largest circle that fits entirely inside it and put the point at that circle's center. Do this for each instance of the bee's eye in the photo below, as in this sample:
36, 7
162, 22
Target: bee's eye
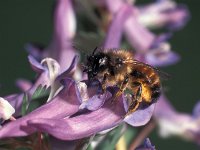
102, 61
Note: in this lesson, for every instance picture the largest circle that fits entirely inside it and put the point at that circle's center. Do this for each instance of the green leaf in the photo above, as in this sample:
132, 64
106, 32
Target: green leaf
38, 98
111, 139
39, 92
24, 104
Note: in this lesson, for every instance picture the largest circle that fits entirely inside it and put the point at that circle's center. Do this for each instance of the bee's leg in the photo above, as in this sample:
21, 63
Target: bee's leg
103, 83
133, 107
138, 92
136, 99
121, 88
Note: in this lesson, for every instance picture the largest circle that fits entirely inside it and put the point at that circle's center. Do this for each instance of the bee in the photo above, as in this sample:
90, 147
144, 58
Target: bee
119, 68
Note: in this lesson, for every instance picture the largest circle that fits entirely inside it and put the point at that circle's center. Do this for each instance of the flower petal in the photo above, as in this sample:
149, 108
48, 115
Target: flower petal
164, 14
36, 66
34, 50
66, 74
23, 84
116, 7
137, 35
177, 18
172, 123
161, 58
64, 104
16, 101
6, 110
85, 125
140, 117
95, 102
163, 104
113, 37
65, 23
64, 30
146, 145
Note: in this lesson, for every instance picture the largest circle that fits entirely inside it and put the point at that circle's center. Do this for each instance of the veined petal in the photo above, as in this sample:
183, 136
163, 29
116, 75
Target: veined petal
85, 125
63, 105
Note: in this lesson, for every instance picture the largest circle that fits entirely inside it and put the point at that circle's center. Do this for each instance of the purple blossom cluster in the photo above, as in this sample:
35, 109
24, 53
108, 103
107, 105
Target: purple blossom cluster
75, 110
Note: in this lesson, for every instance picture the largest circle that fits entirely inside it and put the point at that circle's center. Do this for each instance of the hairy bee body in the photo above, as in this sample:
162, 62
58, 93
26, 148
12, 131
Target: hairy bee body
119, 68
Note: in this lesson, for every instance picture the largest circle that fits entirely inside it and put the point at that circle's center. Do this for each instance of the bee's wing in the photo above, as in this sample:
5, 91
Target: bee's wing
162, 74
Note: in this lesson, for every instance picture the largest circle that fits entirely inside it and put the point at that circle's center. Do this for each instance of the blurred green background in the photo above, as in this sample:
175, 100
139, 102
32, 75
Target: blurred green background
22, 21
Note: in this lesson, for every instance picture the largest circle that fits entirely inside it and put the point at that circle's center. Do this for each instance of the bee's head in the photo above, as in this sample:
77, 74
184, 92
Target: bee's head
96, 63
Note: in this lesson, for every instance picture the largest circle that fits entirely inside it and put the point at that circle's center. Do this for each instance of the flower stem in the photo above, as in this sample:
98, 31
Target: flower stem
143, 134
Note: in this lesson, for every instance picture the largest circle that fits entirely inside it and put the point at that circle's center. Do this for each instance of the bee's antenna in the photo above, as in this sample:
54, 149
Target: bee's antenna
94, 50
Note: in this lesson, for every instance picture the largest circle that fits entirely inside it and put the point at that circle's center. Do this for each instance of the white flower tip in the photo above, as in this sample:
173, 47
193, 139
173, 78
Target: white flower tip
77, 74
83, 90
6, 110
52, 66
166, 47
185, 128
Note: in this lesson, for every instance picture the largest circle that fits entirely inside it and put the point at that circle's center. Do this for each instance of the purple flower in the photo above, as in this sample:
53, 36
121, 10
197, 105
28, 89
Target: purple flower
161, 55
23, 84
64, 104
173, 123
44, 79
58, 116
60, 47
75, 110
164, 13
150, 48
146, 145
117, 25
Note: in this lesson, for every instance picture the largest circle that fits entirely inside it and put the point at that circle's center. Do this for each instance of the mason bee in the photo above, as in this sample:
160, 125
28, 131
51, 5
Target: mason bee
119, 68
